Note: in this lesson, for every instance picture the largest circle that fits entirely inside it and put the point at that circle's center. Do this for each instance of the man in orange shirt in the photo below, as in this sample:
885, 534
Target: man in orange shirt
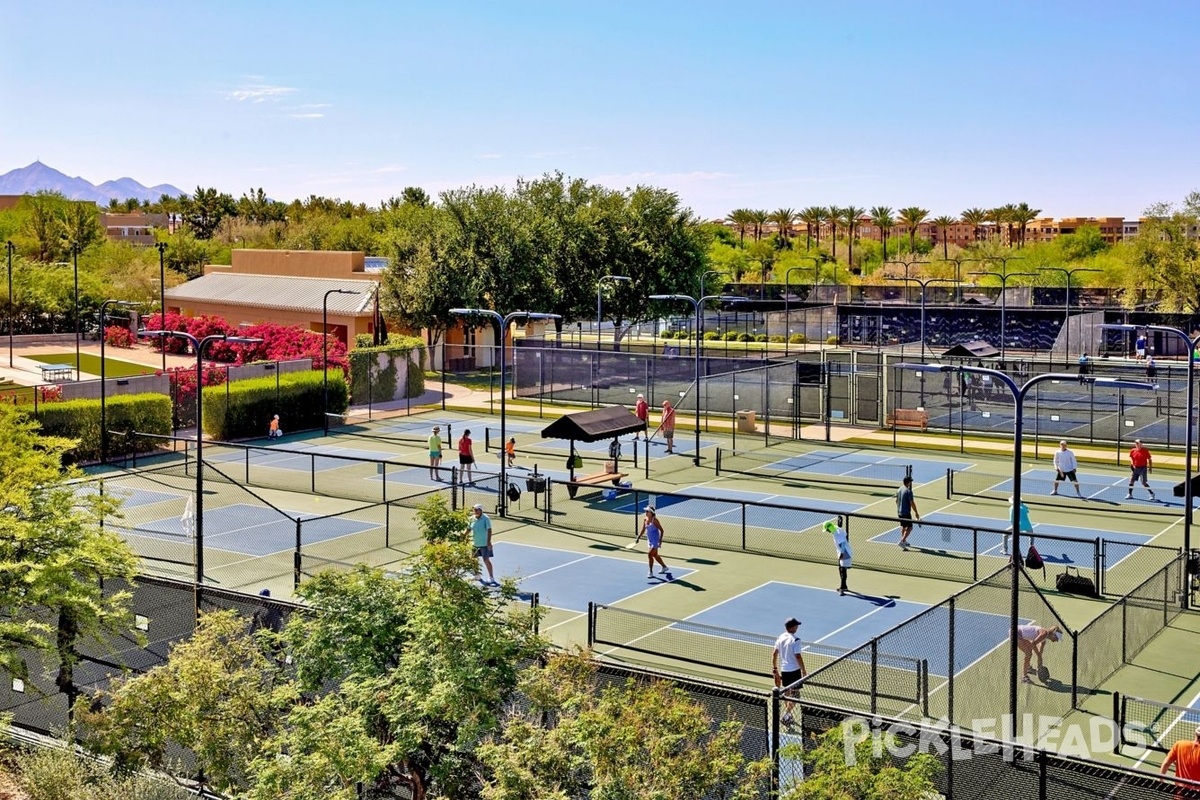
1185, 757
1140, 465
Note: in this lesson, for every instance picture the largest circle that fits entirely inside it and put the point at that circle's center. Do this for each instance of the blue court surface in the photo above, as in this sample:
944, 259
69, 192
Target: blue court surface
720, 510
570, 580
252, 530
1053, 551
1109, 490
853, 620
301, 460
131, 497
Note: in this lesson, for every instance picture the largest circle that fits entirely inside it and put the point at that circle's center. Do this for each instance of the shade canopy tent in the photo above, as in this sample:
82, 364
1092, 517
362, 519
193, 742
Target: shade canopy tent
594, 426
975, 349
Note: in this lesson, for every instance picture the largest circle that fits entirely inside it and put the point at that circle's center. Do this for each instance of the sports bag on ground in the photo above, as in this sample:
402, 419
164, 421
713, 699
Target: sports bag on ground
1071, 582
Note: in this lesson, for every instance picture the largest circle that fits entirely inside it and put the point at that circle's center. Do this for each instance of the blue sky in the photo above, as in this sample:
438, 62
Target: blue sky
1086, 108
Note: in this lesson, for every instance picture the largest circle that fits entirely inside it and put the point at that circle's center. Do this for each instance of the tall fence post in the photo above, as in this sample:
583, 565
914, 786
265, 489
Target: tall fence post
1075, 670
950, 667
776, 692
297, 563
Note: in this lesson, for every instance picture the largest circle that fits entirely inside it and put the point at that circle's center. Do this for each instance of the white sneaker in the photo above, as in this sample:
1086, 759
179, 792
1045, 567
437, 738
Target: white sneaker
787, 718
650, 577
664, 570
1054, 492
1129, 496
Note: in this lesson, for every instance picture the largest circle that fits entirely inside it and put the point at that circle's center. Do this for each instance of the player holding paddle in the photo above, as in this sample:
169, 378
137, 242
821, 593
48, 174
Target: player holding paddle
652, 529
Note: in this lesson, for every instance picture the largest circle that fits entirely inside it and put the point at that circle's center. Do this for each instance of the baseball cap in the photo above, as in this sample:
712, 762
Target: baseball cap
830, 527
791, 622
651, 509
477, 507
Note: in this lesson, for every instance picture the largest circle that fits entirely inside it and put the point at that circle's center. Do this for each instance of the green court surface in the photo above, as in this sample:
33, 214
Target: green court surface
89, 363
583, 555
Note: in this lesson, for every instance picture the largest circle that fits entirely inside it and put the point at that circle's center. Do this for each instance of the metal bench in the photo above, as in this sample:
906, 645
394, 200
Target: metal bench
57, 372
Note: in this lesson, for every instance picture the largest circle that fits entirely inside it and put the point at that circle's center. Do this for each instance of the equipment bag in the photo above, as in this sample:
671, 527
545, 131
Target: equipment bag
514, 492
1033, 559
1071, 582
577, 461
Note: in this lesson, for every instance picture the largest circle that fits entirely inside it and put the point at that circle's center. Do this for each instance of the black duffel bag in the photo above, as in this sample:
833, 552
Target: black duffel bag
1071, 582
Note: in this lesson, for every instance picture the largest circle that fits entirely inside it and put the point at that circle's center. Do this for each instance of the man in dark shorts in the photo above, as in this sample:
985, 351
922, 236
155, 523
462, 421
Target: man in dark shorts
787, 662
1140, 465
1065, 465
480, 528
906, 510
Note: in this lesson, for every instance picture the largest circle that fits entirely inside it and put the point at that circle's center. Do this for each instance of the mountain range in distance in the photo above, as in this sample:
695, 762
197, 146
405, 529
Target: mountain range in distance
37, 177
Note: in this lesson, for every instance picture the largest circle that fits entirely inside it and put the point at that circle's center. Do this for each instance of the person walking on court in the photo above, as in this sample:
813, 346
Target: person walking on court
841, 544
906, 509
273, 431
652, 529
1065, 466
787, 662
1141, 464
1151, 369
466, 456
435, 452
1026, 525
1031, 641
510, 450
1185, 758
641, 410
667, 425
480, 528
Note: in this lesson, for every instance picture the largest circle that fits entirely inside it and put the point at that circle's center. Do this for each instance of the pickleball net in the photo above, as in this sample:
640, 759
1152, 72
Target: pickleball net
816, 466
1160, 725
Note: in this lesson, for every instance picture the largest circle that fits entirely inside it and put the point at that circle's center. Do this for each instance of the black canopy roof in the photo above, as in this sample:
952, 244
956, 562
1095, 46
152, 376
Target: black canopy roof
975, 349
593, 426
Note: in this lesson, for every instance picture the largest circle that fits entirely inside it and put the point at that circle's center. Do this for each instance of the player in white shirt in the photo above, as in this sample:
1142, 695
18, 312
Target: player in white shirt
1064, 468
787, 662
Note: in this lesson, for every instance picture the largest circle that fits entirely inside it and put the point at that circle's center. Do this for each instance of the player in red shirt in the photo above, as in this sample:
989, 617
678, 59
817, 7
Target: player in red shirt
1140, 465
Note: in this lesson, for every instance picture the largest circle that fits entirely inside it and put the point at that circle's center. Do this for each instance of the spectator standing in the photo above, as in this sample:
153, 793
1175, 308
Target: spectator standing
641, 410
1151, 368
1026, 525
667, 425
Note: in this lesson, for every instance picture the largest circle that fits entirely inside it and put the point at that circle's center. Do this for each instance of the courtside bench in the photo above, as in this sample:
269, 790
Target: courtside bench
57, 372
908, 418
594, 481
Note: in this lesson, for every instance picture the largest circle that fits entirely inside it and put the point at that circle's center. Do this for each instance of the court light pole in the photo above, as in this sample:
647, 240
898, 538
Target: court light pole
10, 247
162, 296
75, 260
1019, 393
325, 353
103, 376
600, 283
1004, 276
957, 262
502, 325
1189, 436
704, 279
1068, 273
923, 282
198, 345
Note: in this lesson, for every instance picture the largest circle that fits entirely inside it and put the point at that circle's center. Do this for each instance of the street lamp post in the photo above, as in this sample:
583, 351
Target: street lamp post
75, 259
325, 353
958, 262
1069, 273
502, 325
198, 345
1189, 436
1004, 276
704, 278
162, 295
1019, 393
103, 377
599, 283
9, 246
924, 282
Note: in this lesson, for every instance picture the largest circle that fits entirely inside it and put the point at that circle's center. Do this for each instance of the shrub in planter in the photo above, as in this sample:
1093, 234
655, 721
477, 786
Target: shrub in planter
243, 409
118, 336
744, 337
711, 336
80, 420
777, 338
797, 338
760, 337
831, 340
732, 336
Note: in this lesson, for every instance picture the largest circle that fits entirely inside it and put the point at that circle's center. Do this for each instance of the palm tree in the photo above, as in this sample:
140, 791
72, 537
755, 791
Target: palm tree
783, 219
975, 217
943, 223
912, 217
1010, 217
741, 220
881, 217
822, 214
1023, 215
850, 221
835, 217
996, 217
759, 218
811, 217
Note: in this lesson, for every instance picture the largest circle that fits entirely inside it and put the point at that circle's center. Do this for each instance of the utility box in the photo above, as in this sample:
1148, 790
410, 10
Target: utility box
746, 422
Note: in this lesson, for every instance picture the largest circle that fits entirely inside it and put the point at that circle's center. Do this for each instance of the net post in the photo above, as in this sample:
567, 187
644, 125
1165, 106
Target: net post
647, 458
387, 524
312, 470
1167, 600
776, 693
454, 488
949, 483
743, 505
923, 684
296, 562
383, 479
874, 675
246, 452
974, 555
549, 495
1119, 736
718, 462
950, 665
1124, 629
591, 624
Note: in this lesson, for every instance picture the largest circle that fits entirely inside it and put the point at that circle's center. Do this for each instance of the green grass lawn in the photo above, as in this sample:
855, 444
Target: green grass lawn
91, 364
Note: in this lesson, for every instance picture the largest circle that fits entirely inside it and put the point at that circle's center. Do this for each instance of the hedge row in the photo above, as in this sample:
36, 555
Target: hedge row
243, 409
80, 420
373, 370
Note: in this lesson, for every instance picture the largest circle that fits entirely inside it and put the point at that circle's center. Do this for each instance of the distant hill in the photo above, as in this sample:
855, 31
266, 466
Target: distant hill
37, 177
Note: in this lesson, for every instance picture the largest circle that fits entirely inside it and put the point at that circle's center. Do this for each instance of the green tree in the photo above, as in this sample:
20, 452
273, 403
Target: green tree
851, 216
416, 196
881, 217
54, 554
204, 211
943, 224
912, 217
45, 212
742, 220
1166, 255
834, 218
783, 219
759, 218
81, 226
812, 217
870, 773
975, 217
1022, 214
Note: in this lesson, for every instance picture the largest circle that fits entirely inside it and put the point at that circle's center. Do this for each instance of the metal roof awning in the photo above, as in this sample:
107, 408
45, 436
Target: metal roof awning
975, 349
594, 426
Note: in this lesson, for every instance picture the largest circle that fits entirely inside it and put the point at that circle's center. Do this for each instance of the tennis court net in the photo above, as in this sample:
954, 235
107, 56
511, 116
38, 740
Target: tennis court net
1101, 490
900, 678
816, 466
1160, 725
408, 430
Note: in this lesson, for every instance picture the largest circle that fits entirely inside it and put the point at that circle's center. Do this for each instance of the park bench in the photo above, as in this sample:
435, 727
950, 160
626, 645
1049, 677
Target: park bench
57, 372
908, 418
595, 481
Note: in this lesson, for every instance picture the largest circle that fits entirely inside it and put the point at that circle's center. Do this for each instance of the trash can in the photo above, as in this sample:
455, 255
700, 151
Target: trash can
745, 421
535, 484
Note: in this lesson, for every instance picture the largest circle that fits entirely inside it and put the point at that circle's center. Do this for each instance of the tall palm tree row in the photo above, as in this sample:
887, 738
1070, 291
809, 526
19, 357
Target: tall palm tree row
783, 219
759, 218
1023, 214
975, 217
742, 220
881, 217
943, 224
834, 219
812, 217
912, 217
850, 222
